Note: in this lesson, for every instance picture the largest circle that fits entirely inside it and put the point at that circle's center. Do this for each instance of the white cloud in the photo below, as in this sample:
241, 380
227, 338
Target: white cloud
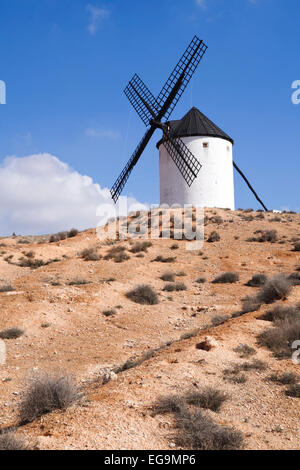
102, 133
41, 194
96, 15
201, 3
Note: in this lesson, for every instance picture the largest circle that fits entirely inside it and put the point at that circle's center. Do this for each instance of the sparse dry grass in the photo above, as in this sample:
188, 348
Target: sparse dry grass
11, 333
9, 441
143, 294
47, 393
226, 278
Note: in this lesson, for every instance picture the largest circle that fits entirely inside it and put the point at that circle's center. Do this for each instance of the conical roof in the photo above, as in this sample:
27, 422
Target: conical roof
195, 123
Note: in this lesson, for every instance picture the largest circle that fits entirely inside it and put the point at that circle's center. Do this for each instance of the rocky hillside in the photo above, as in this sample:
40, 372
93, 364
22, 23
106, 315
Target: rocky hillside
153, 346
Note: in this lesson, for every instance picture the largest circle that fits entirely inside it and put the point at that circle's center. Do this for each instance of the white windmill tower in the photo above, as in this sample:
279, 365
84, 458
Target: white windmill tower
214, 186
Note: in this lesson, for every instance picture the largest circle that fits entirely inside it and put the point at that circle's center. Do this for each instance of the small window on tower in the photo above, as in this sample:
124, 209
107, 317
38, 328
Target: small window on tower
205, 145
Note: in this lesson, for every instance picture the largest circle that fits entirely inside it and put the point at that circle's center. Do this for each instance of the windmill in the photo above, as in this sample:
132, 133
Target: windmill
153, 110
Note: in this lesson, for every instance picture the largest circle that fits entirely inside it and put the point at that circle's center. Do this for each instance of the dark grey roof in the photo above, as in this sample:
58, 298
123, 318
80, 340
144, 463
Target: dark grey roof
195, 123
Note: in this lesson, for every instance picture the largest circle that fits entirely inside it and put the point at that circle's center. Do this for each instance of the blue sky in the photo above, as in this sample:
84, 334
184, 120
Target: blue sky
66, 62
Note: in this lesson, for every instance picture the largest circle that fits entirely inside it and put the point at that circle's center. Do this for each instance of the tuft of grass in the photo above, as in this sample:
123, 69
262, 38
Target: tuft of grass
121, 257
250, 304
190, 334
209, 398
168, 276
243, 350
281, 312
257, 280
294, 278
237, 379
177, 286
109, 313
79, 282
30, 263
280, 339
228, 277
214, 237
72, 233
256, 364
45, 394
293, 391
287, 378
168, 404
143, 294
117, 253
276, 288
174, 246
219, 319
296, 246
6, 288
10, 441
198, 431
162, 259
201, 280
181, 274
270, 236
138, 247
90, 254
11, 333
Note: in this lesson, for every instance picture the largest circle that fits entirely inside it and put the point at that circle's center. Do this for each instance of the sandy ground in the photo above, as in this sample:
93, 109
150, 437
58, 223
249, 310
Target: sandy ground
65, 329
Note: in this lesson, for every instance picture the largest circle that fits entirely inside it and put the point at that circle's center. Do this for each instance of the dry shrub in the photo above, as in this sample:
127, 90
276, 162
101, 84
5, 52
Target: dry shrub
117, 253
90, 254
138, 247
168, 276
143, 294
163, 259
47, 393
256, 364
31, 263
270, 236
72, 233
294, 278
79, 282
216, 219
219, 319
276, 288
9, 441
109, 313
198, 431
177, 286
121, 257
209, 398
257, 280
281, 312
201, 280
280, 339
168, 404
296, 246
287, 378
243, 350
6, 288
225, 278
174, 246
11, 333
214, 237
293, 391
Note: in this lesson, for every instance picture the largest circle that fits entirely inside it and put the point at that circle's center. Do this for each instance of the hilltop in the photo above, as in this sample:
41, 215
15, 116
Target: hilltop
68, 298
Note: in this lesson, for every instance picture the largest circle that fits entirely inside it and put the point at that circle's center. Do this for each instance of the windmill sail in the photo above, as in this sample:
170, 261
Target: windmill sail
141, 99
183, 158
152, 111
185, 68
